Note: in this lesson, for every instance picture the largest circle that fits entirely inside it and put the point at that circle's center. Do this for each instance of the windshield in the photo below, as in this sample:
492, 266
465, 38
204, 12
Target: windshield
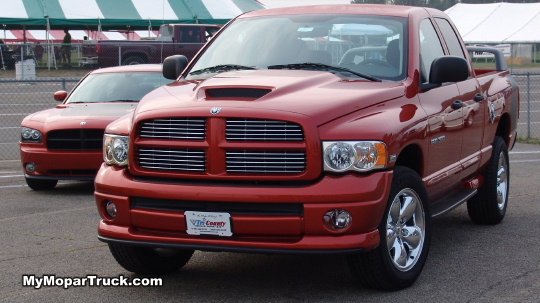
116, 87
362, 44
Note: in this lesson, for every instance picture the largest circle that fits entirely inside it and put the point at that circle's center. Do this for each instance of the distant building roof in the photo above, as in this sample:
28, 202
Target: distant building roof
497, 22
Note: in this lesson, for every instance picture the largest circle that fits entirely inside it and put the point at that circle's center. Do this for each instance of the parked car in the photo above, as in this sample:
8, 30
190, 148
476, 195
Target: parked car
65, 142
183, 39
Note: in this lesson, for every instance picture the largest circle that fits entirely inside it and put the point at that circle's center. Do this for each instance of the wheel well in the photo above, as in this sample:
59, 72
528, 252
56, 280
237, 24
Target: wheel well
411, 157
503, 129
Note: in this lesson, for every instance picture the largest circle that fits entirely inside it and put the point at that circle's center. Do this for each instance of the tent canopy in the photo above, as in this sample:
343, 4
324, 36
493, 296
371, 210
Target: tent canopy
497, 22
16, 14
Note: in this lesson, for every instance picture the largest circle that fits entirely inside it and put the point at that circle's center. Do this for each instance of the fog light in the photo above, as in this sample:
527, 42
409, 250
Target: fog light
30, 167
337, 219
111, 209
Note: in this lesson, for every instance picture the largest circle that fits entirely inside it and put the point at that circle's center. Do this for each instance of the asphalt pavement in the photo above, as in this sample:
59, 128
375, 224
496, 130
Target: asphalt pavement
54, 233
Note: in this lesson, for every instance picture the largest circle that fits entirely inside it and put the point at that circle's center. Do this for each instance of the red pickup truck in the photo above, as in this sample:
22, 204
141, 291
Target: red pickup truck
173, 39
320, 129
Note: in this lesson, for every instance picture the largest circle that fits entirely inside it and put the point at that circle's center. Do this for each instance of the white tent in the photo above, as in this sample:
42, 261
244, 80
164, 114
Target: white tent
497, 22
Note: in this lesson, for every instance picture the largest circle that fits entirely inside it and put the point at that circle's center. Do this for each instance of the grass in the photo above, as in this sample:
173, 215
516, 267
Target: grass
528, 141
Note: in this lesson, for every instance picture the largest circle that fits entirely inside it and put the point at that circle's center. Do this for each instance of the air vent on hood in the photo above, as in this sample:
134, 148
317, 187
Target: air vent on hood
236, 93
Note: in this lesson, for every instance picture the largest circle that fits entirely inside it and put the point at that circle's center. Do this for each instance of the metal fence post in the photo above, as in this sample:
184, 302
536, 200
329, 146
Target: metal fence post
119, 54
528, 106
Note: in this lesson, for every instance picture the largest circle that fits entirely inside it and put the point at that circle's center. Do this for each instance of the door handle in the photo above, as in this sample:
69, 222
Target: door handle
457, 104
478, 97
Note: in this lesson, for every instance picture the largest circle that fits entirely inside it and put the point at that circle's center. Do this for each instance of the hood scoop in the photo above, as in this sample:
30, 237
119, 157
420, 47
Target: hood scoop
236, 93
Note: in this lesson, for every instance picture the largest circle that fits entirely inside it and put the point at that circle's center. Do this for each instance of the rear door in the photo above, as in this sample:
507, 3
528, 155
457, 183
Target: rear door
473, 104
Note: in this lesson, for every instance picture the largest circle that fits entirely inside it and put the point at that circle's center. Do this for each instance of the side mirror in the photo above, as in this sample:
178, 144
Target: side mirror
173, 66
448, 69
60, 95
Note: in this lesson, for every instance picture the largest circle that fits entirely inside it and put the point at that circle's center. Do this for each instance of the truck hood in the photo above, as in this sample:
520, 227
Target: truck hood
320, 95
95, 115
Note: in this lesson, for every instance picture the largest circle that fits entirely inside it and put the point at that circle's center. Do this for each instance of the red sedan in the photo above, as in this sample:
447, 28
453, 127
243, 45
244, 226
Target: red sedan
65, 142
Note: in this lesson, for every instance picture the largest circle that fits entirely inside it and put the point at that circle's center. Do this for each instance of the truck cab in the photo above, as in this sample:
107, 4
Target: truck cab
186, 33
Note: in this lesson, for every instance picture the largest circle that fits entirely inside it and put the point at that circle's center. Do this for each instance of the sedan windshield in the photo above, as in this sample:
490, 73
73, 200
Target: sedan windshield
116, 87
355, 46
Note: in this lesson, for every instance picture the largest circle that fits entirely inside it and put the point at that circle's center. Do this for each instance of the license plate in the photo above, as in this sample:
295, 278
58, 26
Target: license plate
208, 223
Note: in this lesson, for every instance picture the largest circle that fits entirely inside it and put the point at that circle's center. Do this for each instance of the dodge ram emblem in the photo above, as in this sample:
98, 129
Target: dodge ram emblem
215, 110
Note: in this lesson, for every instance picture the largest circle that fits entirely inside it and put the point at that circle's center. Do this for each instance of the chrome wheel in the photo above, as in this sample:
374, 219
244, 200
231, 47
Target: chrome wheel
502, 181
405, 235
405, 229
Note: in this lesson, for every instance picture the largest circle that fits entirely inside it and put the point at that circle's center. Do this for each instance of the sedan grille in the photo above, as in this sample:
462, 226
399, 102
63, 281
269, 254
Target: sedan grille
75, 139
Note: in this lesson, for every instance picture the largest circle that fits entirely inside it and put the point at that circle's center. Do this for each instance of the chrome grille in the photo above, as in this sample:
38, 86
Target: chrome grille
263, 130
172, 159
174, 128
265, 162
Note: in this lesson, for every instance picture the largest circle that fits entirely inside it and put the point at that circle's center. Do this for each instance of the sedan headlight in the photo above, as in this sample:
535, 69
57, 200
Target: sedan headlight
115, 149
31, 135
341, 156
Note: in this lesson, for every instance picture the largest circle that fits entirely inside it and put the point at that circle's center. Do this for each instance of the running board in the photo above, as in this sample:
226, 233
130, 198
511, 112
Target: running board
452, 202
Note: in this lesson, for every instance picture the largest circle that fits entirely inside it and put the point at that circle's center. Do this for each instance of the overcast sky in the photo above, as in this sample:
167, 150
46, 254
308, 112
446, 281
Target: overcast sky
283, 3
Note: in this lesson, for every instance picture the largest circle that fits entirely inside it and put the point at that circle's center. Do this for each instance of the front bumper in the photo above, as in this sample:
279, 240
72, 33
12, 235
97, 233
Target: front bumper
60, 165
363, 196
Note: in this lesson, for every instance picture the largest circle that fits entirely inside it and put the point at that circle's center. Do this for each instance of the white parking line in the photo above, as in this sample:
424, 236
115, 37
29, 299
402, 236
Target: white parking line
524, 152
24, 185
12, 186
524, 161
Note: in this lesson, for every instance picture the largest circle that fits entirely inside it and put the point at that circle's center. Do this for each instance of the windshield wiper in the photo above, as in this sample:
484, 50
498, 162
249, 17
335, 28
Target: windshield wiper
325, 67
123, 101
221, 68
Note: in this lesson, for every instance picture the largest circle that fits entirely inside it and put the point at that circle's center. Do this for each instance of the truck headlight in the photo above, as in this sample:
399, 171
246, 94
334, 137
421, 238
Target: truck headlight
341, 156
31, 135
115, 149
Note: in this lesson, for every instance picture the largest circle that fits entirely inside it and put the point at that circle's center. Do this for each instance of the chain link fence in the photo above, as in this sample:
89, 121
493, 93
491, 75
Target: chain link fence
28, 85
529, 113
19, 98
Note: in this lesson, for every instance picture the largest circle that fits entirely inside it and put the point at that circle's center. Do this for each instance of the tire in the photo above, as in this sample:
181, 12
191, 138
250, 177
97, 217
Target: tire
489, 205
41, 184
381, 268
133, 60
146, 260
